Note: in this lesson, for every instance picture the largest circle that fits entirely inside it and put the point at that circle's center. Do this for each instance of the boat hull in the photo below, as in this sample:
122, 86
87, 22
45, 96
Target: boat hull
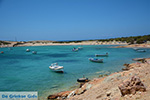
57, 69
97, 55
97, 61
82, 80
140, 50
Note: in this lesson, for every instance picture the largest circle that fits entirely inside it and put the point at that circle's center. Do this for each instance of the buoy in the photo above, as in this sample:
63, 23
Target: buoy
2, 52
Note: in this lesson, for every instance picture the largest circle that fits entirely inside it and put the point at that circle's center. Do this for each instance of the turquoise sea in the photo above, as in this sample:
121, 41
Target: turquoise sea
24, 71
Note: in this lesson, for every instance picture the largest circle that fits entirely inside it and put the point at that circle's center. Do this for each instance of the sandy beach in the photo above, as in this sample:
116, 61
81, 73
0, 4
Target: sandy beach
50, 43
107, 87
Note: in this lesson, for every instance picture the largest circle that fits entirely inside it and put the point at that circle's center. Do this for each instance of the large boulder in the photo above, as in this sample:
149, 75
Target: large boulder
130, 86
63, 94
84, 88
52, 97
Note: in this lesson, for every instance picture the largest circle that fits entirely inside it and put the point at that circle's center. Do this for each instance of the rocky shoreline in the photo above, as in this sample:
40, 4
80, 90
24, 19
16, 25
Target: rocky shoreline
135, 46
129, 84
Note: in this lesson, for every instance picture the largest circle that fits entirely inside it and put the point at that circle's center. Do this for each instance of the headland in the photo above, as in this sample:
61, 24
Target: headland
130, 84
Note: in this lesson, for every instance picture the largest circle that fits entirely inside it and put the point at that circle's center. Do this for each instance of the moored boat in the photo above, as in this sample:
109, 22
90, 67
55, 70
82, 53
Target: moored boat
96, 60
82, 80
27, 50
79, 48
136, 49
101, 55
34, 52
74, 49
141, 50
56, 68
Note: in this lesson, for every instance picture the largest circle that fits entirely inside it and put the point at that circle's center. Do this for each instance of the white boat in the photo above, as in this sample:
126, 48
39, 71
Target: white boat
27, 50
140, 50
79, 48
55, 67
136, 49
96, 60
74, 49
34, 52
101, 55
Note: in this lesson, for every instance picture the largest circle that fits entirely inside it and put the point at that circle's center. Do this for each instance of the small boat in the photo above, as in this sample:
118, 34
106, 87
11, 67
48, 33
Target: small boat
101, 55
96, 60
136, 49
27, 50
74, 49
79, 48
34, 52
140, 50
55, 67
82, 80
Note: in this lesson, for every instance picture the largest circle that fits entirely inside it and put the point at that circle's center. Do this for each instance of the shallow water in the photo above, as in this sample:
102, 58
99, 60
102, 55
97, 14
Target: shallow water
24, 71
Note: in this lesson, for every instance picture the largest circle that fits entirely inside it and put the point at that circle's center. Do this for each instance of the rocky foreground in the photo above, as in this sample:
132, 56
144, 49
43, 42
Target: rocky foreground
133, 83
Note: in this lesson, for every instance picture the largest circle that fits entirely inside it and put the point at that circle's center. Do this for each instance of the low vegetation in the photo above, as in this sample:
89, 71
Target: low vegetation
131, 39
4, 43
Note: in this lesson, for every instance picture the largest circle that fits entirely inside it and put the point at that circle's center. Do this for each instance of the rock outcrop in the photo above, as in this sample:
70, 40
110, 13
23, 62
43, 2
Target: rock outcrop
68, 94
63, 94
130, 86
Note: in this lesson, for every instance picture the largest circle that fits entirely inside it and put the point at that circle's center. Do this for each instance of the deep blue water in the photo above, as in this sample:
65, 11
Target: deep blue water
24, 71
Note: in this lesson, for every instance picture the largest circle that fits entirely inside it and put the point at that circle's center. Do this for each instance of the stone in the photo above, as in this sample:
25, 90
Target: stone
51, 97
100, 75
126, 83
125, 69
108, 93
137, 96
133, 91
71, 94
88, 86
84, 88
63, 94
111, 77
130, 86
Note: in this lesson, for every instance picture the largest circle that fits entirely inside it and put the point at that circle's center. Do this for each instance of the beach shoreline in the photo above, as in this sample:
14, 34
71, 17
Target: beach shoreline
52, 43
41, 43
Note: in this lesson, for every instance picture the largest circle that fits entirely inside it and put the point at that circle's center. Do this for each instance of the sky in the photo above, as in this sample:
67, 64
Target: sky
58, 20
